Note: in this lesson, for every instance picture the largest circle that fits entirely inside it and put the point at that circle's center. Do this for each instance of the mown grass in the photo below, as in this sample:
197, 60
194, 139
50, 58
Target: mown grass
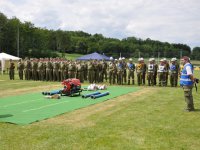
152, 118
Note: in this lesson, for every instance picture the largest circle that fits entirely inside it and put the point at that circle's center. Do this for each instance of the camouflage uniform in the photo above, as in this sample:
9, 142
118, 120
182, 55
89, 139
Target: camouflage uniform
49, 71
112, 72
104, 71
12, 70
120, 72
20, 69
91, 72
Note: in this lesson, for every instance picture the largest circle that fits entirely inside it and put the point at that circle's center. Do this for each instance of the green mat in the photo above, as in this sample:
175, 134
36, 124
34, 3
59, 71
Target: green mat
28, 108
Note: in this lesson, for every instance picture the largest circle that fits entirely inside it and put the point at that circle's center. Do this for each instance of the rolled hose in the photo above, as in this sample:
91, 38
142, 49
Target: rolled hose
99, 95
89, 95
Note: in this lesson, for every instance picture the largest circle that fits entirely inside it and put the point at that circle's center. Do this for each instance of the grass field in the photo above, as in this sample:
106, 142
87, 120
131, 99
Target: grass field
152, 118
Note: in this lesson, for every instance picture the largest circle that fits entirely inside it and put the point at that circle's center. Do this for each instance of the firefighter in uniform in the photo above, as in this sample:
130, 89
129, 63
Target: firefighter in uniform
144, 69
79, 72
131, 69
162, 73
49, 70
173, 73
120, 72
11, 70
112, 71
139, 71
91, 71
155, 71
150, 74
166, 70
20, 68
35, 70
178, 69
104, 70
124, 70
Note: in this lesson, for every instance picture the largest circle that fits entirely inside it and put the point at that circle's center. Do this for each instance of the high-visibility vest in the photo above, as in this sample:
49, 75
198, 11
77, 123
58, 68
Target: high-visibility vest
185, 79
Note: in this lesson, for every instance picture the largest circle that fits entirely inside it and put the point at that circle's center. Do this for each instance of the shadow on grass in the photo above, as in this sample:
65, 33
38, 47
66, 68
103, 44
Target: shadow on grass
6, 116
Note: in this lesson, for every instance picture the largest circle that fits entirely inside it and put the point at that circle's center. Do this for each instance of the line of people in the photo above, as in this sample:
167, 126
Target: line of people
119, 71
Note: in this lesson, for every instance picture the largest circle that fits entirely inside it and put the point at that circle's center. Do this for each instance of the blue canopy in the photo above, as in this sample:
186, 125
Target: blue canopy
95, 55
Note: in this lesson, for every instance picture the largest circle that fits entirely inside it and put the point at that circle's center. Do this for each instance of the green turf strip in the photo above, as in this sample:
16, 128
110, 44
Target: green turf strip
28, 108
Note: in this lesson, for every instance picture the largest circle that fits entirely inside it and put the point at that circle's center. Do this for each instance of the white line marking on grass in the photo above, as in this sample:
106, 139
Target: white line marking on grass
21, 103
45, 106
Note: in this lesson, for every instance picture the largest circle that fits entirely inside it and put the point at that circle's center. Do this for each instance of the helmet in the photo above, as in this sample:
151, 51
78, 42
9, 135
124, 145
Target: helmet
141, 59
120, 58
130, 59
173, 59
123, 58
111, 58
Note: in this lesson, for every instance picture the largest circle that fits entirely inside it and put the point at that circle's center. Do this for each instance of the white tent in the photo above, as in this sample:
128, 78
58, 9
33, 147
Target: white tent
4, 57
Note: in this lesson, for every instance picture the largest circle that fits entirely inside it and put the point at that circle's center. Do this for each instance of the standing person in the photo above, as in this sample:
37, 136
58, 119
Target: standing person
144, 69
104, 70
166, 70
150, 74
131, 69
161, 73
124, 70
178, 69
120, 72
112, 71
155, 71
187, 81
20, 68
139, 71
11, 70
173, 73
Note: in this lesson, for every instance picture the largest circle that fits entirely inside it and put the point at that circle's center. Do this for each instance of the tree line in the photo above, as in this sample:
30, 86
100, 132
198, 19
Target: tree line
41, 42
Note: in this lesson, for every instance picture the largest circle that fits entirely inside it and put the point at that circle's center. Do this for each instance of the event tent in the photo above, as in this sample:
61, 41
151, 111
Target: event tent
95, 55
5, 57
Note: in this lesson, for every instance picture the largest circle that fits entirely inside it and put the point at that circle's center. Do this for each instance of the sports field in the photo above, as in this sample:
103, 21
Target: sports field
150, 118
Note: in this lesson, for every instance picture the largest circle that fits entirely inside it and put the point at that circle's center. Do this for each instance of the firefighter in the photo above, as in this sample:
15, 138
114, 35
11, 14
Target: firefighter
11, 70
131, 69
162, 73
166, 70
20, 68
173, 73
104, 70
155, 71
91, 73
150, 74
120, 72
124, 69
139, 71
112, 71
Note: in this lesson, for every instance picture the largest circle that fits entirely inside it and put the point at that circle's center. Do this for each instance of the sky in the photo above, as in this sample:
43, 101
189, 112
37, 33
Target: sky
173, 21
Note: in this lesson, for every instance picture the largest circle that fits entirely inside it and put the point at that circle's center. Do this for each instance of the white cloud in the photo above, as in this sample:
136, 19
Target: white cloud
166, 20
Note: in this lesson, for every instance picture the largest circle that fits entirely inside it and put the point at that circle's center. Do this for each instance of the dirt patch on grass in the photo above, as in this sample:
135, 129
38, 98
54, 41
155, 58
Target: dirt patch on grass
81, 117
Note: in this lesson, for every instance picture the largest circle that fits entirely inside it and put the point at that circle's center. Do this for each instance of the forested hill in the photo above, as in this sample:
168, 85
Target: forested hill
41, 42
